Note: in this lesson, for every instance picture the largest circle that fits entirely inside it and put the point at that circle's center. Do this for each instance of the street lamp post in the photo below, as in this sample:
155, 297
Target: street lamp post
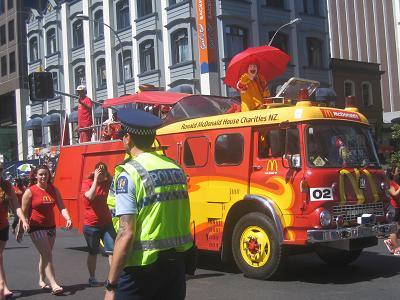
284, 25
86, 18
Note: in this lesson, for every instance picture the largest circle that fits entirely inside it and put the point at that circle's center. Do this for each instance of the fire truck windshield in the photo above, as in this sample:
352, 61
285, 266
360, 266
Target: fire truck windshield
339, 146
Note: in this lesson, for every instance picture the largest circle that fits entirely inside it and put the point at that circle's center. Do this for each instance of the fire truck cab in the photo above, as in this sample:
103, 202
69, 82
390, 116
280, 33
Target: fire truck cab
266, 182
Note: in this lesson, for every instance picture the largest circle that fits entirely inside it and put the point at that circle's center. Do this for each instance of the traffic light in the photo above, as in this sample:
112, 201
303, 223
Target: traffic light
41, 86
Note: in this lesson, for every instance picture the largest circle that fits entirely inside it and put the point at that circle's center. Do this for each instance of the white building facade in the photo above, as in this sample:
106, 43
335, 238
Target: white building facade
157, 42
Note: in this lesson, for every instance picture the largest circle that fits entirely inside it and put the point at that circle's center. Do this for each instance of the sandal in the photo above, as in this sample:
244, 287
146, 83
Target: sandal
389, 245
57, 291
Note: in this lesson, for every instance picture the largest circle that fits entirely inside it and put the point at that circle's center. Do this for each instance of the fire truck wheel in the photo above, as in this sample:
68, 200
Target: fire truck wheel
335, 257
255, 246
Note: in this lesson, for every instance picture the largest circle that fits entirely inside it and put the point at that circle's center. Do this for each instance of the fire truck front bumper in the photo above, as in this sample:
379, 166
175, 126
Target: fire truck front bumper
348, 233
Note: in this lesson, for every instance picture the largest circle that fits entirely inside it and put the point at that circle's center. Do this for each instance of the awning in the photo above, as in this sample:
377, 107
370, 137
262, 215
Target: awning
73, 117
33, 123
148, 97
52, 119
325, 94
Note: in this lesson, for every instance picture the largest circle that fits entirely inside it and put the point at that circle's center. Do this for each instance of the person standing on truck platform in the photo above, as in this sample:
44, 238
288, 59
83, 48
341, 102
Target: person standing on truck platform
153, 208
39, 200
97, 218
7, 198
85, 118
394, 192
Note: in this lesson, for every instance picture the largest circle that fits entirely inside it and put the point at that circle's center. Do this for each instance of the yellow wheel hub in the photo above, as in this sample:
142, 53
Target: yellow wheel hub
255, 246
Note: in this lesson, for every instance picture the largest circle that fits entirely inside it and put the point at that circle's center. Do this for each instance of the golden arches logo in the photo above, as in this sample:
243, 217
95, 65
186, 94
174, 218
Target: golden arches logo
354, 181
272, 166
47, 199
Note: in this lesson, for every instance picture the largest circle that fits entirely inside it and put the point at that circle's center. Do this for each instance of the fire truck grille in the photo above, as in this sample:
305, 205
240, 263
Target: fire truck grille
351, 212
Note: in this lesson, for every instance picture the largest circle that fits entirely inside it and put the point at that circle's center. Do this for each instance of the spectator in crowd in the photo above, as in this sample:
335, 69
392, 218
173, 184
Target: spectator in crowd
97, 217
7, 199
85, 118
19, 189
40, 198
394, 191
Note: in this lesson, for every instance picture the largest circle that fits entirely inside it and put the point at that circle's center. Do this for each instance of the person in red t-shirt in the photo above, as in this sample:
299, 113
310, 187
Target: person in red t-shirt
97, 222
111, 128
7, 199
85, 119
40, 198
394, 192
19, 190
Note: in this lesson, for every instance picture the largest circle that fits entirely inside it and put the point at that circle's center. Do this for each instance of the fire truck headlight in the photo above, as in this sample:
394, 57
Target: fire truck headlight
389, 214
325, 218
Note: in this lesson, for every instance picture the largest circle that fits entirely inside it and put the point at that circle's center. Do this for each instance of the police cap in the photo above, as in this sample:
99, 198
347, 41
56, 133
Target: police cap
138, 122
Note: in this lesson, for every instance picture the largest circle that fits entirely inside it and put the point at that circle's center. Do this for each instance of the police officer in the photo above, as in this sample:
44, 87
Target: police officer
154, 217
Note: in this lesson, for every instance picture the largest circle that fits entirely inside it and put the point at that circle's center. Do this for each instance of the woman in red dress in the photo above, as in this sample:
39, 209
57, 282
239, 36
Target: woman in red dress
7, 198
40, 199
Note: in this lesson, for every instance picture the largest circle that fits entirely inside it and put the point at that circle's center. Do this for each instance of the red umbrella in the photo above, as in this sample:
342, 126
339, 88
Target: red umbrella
271, 63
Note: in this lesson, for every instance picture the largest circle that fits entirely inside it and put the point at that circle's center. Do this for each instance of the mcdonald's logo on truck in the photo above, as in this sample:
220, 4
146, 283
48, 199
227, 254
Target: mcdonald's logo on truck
272, 167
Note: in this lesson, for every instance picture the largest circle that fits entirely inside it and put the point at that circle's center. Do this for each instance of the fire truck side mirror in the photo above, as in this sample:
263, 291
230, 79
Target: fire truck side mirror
41, 86
286, 161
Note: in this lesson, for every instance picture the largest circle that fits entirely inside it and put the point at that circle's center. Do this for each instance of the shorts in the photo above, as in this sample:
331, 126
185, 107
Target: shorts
94, 234
41, 233
4, 234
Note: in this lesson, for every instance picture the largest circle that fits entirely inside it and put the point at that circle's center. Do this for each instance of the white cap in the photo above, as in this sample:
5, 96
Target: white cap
81, 88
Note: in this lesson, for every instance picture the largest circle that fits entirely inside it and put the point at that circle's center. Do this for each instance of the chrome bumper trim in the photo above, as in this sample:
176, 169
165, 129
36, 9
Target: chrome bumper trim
348, 233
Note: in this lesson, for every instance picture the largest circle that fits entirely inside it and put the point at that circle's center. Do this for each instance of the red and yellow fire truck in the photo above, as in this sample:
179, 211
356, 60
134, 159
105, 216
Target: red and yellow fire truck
265, 182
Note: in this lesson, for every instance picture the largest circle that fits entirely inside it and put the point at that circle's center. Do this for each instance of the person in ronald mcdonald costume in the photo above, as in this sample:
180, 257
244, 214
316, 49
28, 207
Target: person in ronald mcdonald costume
253, 88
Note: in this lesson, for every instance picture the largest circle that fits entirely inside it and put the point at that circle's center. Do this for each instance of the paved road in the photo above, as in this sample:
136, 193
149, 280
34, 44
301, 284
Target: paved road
376, 275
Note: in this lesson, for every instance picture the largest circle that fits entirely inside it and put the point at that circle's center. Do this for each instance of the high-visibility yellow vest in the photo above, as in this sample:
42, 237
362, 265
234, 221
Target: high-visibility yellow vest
163, 220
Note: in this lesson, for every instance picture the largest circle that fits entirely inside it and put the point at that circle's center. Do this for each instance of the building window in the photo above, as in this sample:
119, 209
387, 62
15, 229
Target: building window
123, 14
10, 4
349, 88
101, 73
312, 7
37, 137
79, 75
180, 48
33, 49
147, 61
280, 41
55, 80
51, 41
2, 34
314, 51
275, 3
367, 94
12, 62
98, 24
77, 31
145, 7
4, 66
236, 40
126, 65
172, 2
1, 7
11, 31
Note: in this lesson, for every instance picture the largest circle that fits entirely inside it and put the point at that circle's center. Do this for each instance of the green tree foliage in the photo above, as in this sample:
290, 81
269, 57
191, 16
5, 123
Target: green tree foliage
395, 157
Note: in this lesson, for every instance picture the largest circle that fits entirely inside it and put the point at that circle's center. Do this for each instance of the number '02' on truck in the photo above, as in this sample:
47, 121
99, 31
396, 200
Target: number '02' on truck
265, 182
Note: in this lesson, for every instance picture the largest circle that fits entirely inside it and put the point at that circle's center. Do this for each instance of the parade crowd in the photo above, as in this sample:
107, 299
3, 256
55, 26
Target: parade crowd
147, 260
